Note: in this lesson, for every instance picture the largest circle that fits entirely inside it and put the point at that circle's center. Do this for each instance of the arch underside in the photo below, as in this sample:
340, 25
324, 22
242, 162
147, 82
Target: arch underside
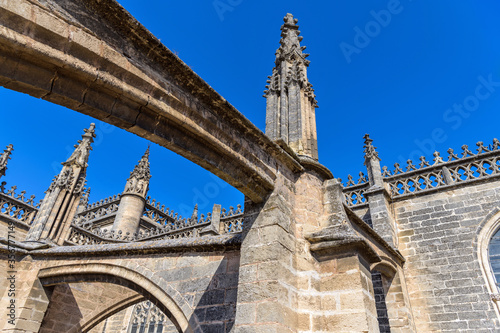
93, 57
73, 277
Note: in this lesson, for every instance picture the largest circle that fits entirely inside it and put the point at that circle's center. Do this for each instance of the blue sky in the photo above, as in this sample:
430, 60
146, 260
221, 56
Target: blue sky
417, 75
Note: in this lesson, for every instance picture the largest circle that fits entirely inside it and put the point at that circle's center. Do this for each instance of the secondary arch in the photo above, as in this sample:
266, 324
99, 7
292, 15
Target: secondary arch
125, 277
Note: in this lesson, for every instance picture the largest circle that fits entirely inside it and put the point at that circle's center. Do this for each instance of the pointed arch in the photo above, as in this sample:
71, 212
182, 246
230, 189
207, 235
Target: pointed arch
125, 277
488, 227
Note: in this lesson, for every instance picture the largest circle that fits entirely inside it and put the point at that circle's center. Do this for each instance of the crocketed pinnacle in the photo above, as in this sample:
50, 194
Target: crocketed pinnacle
290, 42
370, 151
85, 197
291, 102
80, 156
4, 158
141, 170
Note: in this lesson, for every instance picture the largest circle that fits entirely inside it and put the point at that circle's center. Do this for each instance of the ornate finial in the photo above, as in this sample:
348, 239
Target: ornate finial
466, 152
138, 182
80, 156
410, 165
4, 158
397, 169
370, 150
85, 198
362, 178
496, 144
194, 216
386, 172
350, 180
481, 148
423, 162
290, 42
452, 155
437, 158
141, 170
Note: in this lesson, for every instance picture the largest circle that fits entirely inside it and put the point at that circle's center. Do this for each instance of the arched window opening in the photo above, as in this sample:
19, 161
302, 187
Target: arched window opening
494, 256
488, 253
149, 317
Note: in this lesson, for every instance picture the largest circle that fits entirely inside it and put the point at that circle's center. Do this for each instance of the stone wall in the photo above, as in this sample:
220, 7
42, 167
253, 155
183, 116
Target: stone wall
202, 287
437, 236
74, 304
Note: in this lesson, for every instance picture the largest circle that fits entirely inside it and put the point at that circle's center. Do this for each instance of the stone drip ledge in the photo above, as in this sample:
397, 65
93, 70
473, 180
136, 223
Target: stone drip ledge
28, 246
207, 243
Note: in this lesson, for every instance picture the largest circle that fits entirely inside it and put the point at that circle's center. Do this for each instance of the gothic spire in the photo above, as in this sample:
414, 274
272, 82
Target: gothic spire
4, 158
80, 155
194, 216
133, 198
138, 182
291, 103
53, 220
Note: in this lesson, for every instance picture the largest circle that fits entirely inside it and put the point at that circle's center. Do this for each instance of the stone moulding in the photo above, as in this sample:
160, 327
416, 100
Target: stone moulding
311, 164
207, 243
354, 235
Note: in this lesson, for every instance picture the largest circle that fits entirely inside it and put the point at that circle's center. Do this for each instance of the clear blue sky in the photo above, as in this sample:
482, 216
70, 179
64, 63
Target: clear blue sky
404, 79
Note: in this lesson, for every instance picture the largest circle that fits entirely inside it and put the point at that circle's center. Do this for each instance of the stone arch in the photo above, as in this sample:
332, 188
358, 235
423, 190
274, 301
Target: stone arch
487, 228
108, 312
391, 299
166, 299
386, 267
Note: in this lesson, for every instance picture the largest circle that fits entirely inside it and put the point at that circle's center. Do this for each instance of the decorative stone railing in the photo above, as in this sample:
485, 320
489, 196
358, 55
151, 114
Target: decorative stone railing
354, 195
424, 177
98, 210
159, 214
103, 202
457, 169
170, 224
16, 206
232, 221
82, 236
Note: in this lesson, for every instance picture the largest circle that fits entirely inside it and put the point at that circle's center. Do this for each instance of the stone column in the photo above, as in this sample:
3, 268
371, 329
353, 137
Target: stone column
129, 214
132, 200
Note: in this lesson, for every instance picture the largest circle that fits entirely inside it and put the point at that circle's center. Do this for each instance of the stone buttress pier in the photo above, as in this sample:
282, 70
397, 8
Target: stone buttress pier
306, 259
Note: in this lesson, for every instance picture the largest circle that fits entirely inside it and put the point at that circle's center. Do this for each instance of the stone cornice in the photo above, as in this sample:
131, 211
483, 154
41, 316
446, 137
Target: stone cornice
200, 244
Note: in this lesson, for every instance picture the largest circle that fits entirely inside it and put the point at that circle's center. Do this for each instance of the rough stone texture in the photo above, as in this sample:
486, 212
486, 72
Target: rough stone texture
73, 305
129, 214
305, 262
201, 285
437, 236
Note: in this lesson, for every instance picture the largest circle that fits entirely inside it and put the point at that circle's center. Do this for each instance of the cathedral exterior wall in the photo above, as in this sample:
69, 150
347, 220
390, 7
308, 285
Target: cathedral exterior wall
437, 236
202, 284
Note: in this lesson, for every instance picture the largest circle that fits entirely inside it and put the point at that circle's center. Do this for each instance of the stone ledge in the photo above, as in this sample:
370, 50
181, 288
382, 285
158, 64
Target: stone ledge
207, 243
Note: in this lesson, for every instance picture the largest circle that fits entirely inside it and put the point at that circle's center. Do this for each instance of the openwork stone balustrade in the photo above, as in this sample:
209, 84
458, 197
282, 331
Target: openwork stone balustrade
85, 229
424, 177
17, 206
